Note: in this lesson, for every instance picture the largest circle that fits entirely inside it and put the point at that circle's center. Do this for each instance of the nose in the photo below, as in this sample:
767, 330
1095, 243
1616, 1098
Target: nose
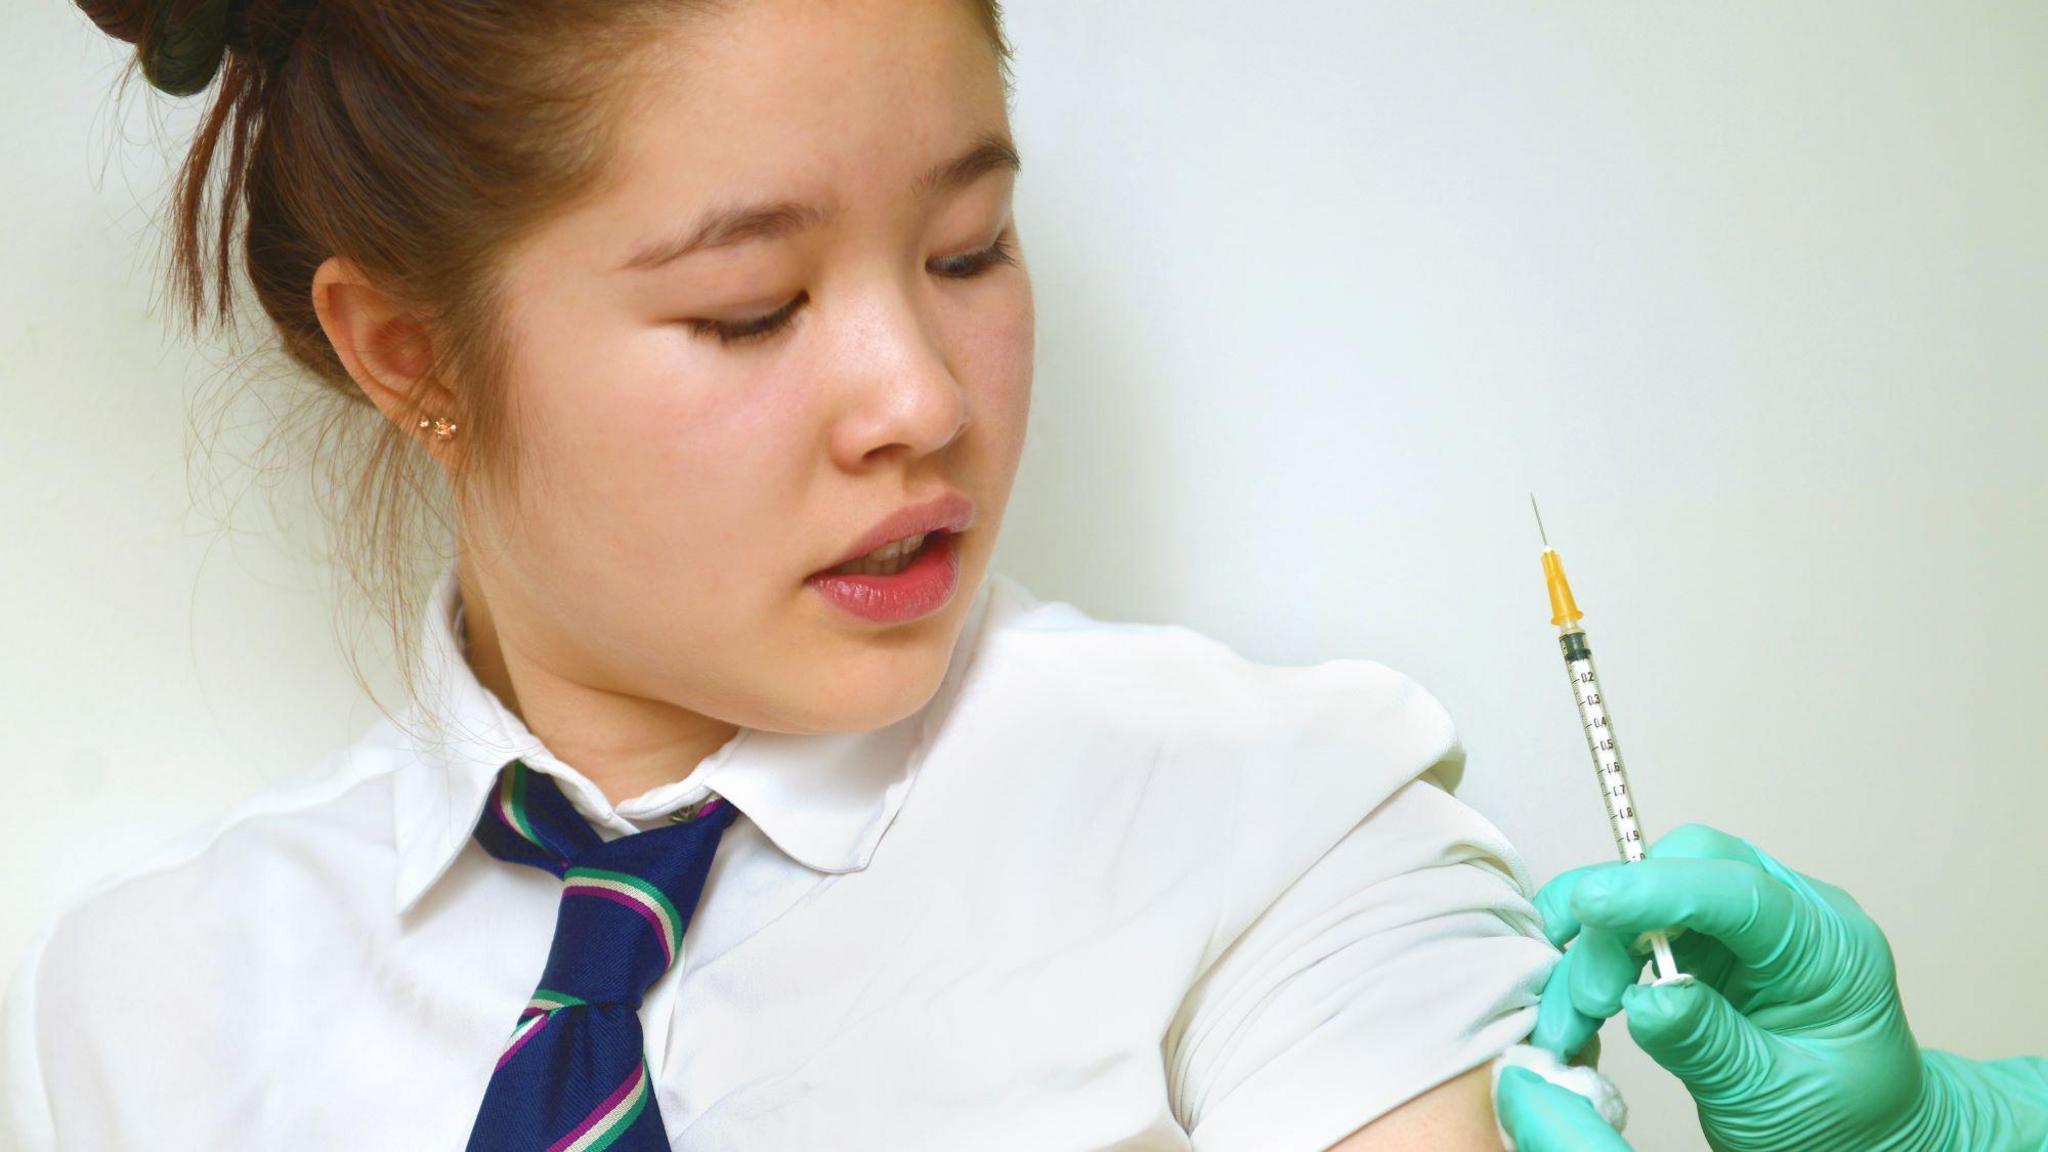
904, 393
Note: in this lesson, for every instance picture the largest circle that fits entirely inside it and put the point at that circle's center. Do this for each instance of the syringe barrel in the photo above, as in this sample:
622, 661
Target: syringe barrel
1600, 742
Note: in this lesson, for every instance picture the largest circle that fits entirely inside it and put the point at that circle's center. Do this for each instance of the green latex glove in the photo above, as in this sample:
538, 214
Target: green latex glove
1791, 1035
1543, 1117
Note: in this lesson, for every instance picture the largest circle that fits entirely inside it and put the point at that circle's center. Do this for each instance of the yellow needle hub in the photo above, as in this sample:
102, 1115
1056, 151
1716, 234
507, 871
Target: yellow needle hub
1562, 607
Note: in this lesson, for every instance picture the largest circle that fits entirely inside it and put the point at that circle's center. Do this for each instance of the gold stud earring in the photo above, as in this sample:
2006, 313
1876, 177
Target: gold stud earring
443, 430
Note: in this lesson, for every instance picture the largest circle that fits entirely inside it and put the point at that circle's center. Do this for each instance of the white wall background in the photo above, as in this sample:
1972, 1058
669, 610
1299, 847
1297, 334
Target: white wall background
1753, 295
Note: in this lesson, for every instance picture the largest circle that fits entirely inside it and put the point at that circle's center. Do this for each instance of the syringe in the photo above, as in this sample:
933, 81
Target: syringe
1621, 805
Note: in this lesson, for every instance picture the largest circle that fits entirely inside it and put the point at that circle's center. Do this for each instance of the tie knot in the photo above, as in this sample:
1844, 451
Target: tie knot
625, 902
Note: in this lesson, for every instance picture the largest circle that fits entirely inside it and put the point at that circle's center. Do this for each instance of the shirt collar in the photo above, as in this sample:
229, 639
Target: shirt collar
823, 798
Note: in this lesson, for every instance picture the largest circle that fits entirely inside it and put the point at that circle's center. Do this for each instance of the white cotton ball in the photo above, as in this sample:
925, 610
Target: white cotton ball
1587, 1082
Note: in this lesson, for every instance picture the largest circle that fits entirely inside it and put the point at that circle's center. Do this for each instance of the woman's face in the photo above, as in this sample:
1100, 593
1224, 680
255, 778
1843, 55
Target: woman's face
676, 490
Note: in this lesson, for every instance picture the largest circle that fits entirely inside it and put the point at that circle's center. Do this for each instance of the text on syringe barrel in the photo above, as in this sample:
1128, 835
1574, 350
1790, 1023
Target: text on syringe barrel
1599, 727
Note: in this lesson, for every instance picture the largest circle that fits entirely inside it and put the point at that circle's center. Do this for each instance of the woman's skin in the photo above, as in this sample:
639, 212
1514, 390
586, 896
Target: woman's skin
643, 594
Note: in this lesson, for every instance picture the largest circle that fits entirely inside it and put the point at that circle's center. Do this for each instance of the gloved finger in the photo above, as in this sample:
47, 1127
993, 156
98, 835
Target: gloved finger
1762, 920
1603, 965
1543, 1117
1560, 1027
1700, 1038
1554, 901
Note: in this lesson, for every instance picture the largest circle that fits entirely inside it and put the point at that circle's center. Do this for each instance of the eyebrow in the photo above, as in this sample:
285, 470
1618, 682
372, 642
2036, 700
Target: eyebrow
734, 224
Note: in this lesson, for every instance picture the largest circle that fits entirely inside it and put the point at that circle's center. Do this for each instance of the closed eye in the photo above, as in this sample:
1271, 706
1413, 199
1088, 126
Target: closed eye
729, 332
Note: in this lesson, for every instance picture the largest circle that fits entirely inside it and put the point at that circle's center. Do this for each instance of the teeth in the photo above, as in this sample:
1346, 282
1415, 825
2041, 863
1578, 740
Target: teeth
887, 560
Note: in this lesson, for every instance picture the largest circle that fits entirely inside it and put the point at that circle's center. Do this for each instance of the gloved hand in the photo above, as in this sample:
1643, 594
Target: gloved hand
1789, 1037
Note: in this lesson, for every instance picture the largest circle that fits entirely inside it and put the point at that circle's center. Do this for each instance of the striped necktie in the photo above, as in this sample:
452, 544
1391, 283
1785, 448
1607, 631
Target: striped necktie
573, 1075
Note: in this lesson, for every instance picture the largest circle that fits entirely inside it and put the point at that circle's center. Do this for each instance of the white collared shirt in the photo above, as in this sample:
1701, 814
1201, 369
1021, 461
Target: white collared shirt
1113, 886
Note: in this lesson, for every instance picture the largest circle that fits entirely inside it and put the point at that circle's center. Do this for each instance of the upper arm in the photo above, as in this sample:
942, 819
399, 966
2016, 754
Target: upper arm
1367, 991
1455, 1116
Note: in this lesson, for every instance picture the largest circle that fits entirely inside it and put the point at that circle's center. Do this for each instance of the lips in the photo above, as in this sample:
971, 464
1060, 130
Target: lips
948, 512
925, 586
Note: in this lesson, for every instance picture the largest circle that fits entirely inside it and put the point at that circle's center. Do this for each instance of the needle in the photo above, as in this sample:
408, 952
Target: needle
1539, 520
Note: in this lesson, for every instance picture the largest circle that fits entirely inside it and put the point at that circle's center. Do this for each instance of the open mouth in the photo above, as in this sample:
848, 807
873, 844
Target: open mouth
894, 558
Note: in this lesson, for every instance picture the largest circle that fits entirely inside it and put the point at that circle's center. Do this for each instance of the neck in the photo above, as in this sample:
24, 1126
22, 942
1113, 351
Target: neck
625, 744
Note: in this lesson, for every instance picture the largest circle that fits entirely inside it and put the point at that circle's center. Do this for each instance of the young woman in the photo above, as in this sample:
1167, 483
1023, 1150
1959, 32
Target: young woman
736, 804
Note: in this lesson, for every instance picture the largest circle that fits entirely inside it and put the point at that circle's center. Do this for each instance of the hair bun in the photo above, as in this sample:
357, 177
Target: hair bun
180, 42
184, 56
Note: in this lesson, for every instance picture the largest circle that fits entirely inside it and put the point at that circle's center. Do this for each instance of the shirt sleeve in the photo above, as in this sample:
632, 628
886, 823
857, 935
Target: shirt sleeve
25, 1123
1406, 953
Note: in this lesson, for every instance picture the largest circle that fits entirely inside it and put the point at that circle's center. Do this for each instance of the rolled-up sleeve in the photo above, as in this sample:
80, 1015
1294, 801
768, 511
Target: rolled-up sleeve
1406, 954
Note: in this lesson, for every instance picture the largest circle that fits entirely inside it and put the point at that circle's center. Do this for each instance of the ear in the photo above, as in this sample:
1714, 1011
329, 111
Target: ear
387, 352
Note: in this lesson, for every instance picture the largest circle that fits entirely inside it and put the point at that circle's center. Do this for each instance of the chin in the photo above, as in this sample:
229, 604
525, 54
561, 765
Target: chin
879, 687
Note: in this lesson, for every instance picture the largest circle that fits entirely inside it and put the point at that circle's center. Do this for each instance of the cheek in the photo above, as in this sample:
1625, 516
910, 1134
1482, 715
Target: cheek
653, 455
723, 460
999, 367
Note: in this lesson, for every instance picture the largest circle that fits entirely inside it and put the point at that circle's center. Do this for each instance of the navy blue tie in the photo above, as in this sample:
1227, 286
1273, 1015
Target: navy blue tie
573, 1076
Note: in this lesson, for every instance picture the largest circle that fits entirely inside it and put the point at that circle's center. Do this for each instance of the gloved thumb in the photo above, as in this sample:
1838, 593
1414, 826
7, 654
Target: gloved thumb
1692, 1030
1538, 1116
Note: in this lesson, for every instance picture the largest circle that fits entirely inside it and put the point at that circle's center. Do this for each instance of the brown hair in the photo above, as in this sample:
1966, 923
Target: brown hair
420, 140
